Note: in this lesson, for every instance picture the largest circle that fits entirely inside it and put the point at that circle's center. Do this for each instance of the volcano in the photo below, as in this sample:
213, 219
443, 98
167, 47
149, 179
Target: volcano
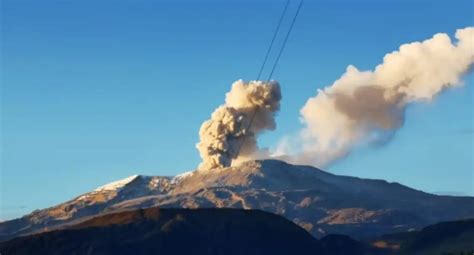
320, 202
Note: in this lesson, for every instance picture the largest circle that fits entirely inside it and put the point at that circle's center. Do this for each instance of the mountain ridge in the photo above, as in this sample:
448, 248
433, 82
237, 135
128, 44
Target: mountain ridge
320, 202
173, 231
228, 231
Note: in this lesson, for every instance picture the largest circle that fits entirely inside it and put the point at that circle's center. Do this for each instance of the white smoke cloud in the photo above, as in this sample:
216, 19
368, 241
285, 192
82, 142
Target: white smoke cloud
369, 106
225, 133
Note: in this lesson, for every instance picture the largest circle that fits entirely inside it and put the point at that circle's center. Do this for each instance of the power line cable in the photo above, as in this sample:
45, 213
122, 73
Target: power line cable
286, 39
273, 39
273, 68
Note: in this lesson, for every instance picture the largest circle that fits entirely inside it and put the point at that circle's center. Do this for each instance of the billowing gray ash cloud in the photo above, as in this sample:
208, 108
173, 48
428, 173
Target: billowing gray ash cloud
367, 107
224, 138
361, 107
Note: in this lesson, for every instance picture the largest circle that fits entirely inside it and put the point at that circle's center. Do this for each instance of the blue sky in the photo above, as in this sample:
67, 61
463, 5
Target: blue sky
95, 91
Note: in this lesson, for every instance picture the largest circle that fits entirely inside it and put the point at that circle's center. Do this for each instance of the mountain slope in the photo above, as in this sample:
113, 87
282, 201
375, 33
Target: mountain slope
86, 205
229, 231
320, 202
454, 237
173, 231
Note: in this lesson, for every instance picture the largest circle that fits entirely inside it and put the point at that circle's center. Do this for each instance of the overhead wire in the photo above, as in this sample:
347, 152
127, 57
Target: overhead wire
275, 33
274, 65
286, 39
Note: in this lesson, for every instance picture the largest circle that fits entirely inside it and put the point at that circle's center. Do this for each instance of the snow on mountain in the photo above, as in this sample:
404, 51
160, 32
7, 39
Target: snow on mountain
116, 185
319, 201
179, 177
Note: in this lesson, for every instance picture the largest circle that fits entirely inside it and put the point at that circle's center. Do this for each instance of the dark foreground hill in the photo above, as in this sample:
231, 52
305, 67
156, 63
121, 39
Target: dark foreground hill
229, 232
173, 231
445, 238
320, 202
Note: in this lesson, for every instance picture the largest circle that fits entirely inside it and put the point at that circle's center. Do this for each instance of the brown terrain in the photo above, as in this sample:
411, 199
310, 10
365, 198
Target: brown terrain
320, 202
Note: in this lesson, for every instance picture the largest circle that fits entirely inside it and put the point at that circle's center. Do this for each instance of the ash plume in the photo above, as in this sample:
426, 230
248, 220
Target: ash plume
368, 107
224, 138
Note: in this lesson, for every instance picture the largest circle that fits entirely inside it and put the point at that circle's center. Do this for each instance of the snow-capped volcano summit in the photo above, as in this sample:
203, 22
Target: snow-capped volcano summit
318, 201
128, 188
116, 185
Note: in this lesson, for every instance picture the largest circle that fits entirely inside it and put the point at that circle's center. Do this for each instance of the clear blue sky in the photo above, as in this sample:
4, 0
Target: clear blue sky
94, 90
